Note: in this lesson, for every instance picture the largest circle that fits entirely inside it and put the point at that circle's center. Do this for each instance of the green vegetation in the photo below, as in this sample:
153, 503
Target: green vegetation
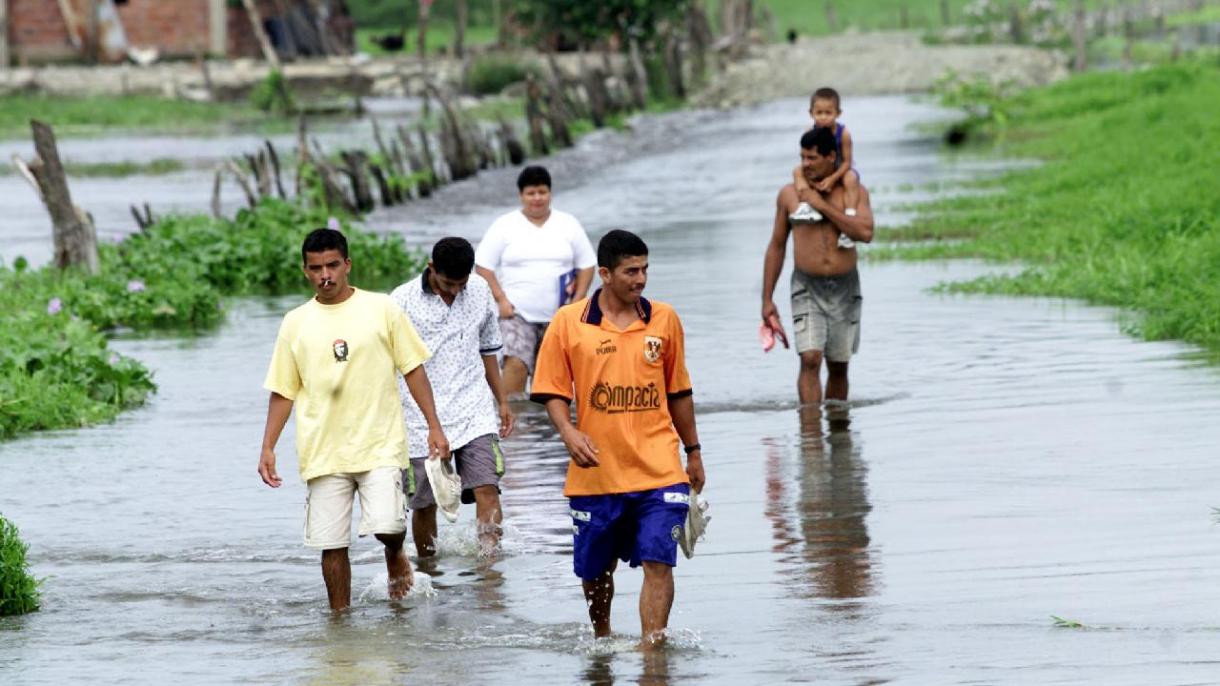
439, 38
18, 589
490, 74
273, 95
157, 167
1061, 623
103, 114
1124, 211
56, 370
1204, 15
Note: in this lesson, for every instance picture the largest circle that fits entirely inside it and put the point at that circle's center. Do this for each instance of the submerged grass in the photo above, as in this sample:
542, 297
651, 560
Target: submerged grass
18, 588
1124, 211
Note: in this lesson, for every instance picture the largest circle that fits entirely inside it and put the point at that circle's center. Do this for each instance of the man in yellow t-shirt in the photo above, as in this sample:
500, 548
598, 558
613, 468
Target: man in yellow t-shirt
335, 359
621, 358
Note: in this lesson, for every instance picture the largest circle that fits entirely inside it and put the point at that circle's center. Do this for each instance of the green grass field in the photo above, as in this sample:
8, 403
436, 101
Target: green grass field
139, 113
1125, 211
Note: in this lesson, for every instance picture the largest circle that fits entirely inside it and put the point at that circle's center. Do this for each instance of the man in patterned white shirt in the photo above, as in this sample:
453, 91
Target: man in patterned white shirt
456, 316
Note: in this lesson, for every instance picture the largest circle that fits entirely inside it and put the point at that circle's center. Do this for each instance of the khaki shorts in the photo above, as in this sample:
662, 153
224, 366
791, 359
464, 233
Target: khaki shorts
522, 339
328, 506
826, 314
479, 463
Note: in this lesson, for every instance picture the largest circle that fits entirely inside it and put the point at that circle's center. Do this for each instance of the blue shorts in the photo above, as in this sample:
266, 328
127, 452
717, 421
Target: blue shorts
643, 526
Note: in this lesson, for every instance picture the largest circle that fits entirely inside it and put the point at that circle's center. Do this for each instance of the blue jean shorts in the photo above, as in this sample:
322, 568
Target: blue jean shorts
643, 526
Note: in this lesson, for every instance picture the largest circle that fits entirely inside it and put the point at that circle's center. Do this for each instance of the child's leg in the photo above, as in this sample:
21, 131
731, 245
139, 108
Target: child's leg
851, 190
798, 180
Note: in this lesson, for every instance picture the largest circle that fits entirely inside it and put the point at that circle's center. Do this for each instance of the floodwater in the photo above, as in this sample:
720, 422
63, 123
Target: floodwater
1002, 461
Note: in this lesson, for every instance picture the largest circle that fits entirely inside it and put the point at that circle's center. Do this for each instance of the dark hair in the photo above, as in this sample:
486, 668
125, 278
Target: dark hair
321, 240
618, 245
453, 257
821, 139
826, 94
533, 176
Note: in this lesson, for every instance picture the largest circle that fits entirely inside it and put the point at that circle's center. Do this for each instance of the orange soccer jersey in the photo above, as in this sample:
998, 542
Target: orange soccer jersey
622, 381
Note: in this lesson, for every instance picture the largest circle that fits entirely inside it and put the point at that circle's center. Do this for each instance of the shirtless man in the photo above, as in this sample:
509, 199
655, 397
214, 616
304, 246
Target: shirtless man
826, 296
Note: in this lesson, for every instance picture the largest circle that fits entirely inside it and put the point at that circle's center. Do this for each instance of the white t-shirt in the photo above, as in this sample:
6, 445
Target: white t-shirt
534, 263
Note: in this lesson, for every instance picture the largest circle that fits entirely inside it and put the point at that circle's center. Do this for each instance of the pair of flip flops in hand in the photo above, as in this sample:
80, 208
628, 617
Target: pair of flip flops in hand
769, 331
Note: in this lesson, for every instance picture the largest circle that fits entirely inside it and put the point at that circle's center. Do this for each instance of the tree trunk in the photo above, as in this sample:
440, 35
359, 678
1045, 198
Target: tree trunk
1078, 38
421, 36
533, 115
4, 36
256, 23
459, 29
73, 234
639, 78
673, 64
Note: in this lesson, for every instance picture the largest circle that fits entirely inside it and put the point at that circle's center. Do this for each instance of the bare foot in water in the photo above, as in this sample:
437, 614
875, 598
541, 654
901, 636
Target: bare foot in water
401, 576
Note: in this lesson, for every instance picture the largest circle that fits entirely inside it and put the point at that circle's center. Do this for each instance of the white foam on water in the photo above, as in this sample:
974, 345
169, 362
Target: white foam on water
378, 589
462, 539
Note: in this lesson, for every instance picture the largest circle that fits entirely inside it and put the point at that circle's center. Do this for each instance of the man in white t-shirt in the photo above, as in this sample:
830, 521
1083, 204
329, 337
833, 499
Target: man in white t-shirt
535, 259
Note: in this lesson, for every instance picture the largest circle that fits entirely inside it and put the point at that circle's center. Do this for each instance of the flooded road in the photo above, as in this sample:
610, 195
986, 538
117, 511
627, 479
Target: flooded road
1003, 461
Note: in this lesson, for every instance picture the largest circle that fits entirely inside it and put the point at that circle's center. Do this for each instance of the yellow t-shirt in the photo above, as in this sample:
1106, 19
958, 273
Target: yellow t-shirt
338, 364
622, 381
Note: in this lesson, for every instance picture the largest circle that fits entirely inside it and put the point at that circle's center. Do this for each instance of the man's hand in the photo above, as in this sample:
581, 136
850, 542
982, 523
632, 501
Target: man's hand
818, 202
507, 420
266, 468
694, 470
769, 310
580, 447
438, 445
506, 308
824, 186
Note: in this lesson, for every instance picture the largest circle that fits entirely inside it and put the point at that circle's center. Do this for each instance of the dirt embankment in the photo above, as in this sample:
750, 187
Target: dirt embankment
871, 63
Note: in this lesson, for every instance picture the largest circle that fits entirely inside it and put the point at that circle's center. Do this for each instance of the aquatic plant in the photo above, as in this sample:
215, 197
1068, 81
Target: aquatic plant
56, 370
1123, 212
1061, 623
18, 588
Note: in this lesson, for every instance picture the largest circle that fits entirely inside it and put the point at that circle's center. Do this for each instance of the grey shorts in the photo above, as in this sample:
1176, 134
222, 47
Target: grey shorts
522, 339
479, 463
826, 314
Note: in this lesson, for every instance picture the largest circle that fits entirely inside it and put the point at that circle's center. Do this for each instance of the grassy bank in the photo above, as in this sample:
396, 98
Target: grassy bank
56, 370
141, 114
1124, 212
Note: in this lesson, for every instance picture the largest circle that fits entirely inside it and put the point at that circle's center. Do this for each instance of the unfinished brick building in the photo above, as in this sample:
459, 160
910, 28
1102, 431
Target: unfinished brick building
33, 31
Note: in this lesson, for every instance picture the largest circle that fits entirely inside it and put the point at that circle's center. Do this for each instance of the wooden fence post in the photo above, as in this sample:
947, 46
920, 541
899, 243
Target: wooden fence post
74, 236
256, 23
1079, 38
3, 36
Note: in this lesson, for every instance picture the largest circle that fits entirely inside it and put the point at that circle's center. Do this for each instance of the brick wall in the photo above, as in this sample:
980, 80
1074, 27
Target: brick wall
177, 27
37, 30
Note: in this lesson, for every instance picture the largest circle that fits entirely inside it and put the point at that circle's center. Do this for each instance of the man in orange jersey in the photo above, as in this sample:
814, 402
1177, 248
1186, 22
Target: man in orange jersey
621, 358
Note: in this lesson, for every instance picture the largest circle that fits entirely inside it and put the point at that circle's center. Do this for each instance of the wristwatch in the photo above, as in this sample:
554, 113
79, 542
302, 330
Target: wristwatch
691, 448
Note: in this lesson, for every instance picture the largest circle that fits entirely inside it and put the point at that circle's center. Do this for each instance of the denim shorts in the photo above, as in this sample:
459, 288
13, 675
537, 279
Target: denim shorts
643, 526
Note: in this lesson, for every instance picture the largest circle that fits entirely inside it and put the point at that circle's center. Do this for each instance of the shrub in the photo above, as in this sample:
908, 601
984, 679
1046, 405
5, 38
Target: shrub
18, 589
491, 74
273, 95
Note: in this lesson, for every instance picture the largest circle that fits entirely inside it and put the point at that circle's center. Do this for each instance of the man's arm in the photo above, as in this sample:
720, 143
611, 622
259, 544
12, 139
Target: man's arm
682, 410
579, 445
278, 410
773, 260
421, 392
859, 227
506, 307
491, 371
584, 277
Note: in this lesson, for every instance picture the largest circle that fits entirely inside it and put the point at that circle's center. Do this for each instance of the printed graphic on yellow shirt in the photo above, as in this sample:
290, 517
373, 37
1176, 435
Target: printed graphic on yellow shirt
340, 349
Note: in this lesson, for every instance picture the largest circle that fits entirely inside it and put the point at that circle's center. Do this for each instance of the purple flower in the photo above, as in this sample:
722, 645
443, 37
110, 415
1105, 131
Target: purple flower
114, 358
54, 305
333, 224
135, 286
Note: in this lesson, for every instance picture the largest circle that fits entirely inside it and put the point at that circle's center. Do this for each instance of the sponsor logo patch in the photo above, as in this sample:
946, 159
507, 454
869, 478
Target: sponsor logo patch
671, 497
581, 515
676, 532
616, 399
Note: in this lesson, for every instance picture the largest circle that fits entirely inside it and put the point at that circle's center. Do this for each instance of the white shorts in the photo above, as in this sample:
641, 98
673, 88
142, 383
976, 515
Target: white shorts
328, 506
